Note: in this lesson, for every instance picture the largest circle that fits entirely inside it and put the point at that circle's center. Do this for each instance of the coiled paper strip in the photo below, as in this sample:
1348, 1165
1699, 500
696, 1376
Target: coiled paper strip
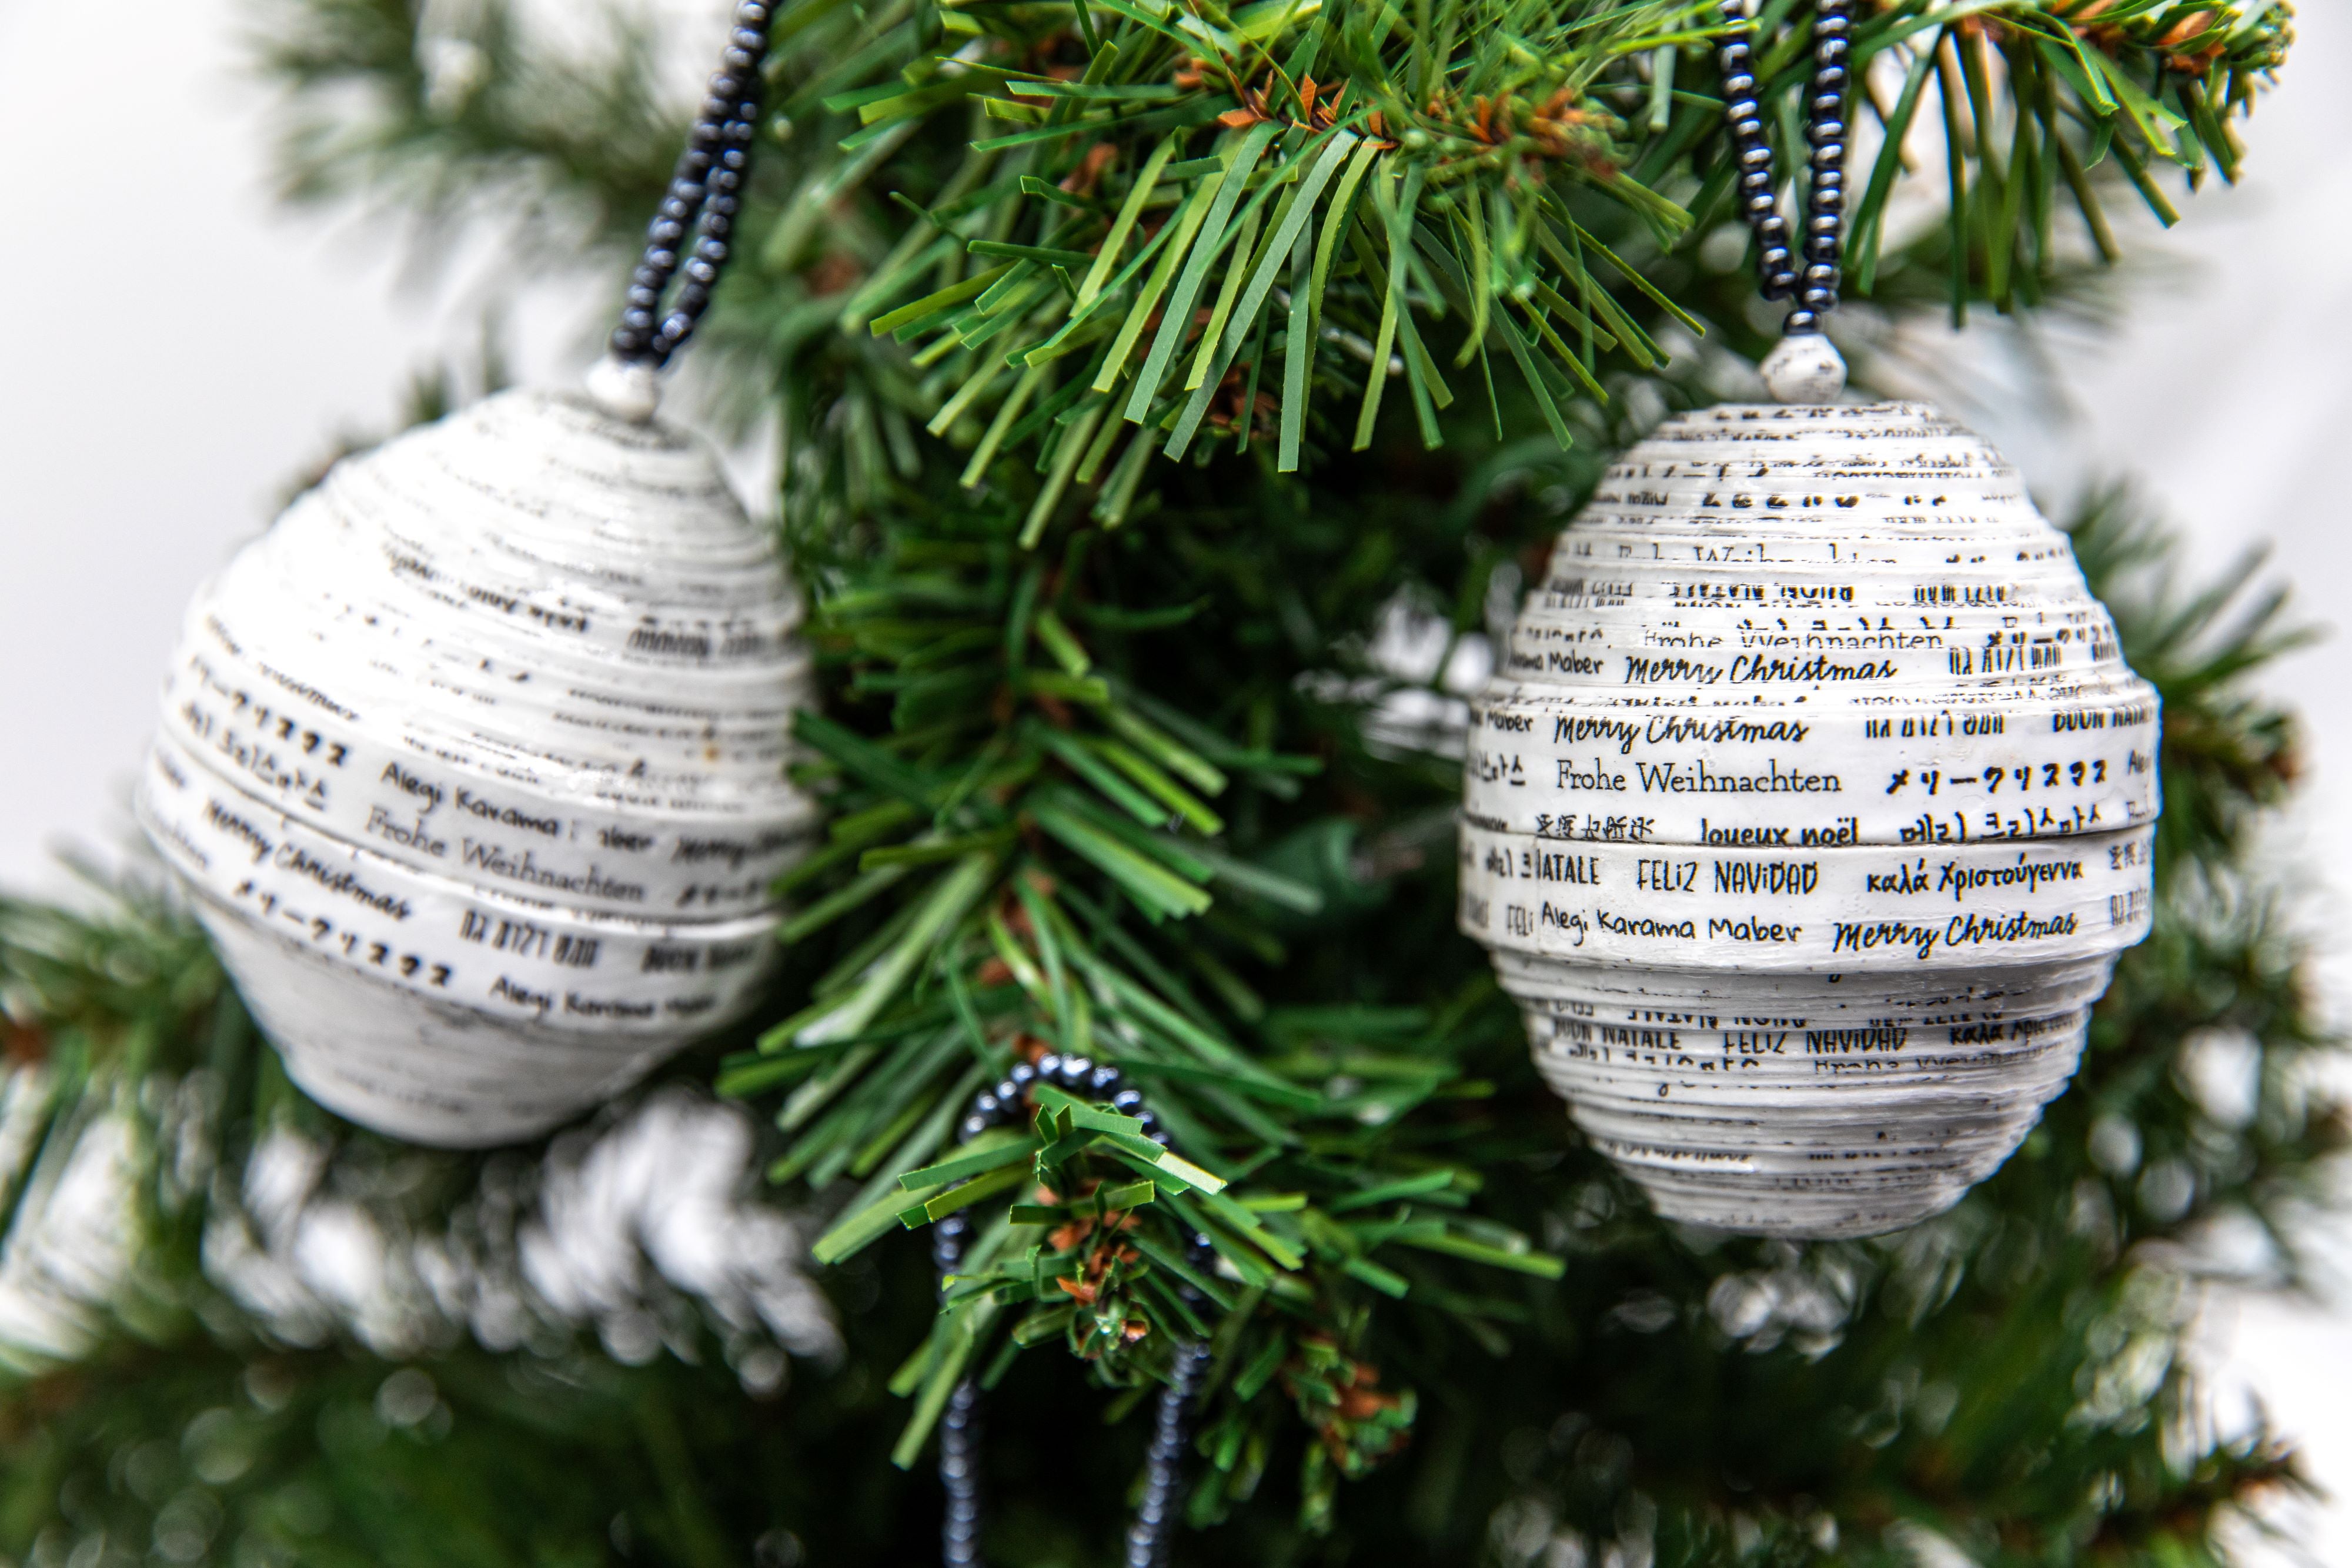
475, 763
1805, 815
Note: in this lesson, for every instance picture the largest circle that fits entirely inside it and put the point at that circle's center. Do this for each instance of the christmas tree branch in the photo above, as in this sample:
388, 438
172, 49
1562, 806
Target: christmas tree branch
1132, 225
1110, 345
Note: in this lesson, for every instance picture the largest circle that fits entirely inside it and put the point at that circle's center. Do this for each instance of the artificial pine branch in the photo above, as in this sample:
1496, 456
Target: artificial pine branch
1118, 769
2010, 1378
1061, 837
1065, 220
448, 115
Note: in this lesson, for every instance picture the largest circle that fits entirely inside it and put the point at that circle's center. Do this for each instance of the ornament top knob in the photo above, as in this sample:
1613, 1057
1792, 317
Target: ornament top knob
1806, 367
625, 389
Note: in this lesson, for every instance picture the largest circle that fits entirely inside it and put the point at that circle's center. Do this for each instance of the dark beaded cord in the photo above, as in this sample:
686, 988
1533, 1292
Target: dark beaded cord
694, 229
1815, 287
959, 1425
1146, 1537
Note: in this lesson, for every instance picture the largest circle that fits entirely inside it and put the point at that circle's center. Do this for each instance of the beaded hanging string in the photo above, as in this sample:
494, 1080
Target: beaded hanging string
960, 1432
705, 197
693, 231
1816, 287
1780, 275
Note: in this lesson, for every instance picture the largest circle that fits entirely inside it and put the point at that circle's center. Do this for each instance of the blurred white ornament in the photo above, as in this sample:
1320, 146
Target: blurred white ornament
474, 763
1806, 813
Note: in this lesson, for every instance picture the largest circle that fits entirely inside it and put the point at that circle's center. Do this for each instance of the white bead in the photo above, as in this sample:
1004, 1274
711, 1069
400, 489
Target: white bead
1806, 367
625, 389
474, 765
1807, 814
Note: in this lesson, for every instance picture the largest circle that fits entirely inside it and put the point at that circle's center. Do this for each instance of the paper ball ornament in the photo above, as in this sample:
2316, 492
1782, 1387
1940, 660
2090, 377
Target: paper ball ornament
1806, 814
474, 765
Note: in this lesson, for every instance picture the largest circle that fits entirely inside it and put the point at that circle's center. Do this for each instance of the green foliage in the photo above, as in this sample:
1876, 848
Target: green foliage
1134, 584
181, 1379
329, 1457
469, 124
1038, 205
2009, 1377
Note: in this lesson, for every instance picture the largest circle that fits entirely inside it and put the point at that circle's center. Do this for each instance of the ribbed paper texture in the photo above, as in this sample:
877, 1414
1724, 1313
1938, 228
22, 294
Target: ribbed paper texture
1806, 813
475, 765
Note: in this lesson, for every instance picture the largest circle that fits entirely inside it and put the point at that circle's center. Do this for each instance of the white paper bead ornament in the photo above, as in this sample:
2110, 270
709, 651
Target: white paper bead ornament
1806, 813
473, 763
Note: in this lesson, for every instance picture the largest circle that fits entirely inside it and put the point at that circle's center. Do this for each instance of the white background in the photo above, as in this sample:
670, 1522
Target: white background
176, 351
